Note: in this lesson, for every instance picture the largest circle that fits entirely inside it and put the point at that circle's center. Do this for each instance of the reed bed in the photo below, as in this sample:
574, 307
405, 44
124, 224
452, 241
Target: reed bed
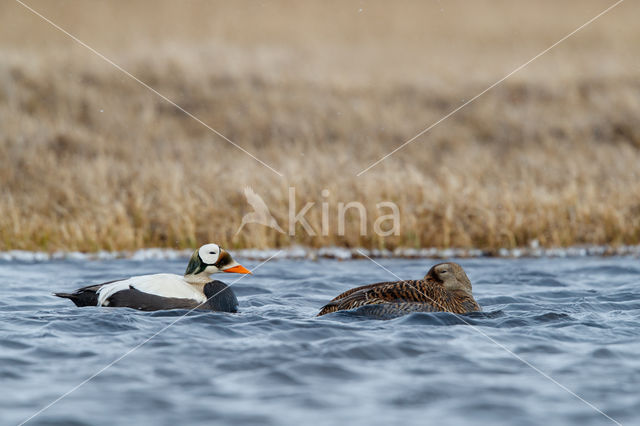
91, 160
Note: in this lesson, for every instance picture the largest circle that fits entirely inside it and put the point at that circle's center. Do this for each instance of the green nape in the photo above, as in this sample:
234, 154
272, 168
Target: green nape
195, 265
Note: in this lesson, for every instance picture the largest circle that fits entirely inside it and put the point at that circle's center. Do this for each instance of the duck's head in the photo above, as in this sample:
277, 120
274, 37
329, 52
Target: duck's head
211, 259
451, 275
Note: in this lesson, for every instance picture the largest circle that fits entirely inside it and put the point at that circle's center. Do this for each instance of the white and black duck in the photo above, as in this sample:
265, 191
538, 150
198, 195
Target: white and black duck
195, 289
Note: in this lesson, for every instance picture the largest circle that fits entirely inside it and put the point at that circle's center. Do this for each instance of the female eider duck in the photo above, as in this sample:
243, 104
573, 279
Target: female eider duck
446, 287
156, 292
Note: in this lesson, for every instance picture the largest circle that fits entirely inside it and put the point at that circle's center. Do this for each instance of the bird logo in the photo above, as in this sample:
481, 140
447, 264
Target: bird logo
260, 215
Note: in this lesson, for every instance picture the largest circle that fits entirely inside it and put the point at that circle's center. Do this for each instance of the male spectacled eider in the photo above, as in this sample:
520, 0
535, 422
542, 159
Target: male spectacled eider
156, 292
446, 287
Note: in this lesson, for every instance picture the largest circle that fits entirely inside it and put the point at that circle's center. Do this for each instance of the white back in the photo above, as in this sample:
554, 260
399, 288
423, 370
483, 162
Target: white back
165, 285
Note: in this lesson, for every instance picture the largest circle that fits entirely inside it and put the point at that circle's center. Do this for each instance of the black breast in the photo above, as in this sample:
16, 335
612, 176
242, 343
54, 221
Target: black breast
220, 297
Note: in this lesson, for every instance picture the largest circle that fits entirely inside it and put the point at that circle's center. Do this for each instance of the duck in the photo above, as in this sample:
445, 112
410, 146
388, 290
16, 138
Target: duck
195, 289
445, 288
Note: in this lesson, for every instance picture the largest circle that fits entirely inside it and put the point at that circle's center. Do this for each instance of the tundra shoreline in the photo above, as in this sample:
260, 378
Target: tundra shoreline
338, 253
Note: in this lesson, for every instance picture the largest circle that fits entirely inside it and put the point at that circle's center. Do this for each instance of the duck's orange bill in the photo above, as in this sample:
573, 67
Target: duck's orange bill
238, 269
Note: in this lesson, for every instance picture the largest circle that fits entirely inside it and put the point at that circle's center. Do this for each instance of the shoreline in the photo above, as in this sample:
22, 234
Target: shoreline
338, 253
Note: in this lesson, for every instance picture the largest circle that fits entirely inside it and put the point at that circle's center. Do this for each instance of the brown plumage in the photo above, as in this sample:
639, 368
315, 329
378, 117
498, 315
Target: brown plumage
446, 287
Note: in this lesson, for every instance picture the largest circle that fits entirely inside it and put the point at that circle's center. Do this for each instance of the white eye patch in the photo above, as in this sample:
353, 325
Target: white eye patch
209, 253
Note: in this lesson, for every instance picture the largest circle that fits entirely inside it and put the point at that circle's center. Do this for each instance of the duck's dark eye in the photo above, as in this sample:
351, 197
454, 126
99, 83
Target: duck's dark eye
211, 252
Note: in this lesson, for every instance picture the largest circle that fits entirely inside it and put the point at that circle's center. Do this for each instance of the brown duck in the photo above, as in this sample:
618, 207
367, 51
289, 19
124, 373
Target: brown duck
446, 287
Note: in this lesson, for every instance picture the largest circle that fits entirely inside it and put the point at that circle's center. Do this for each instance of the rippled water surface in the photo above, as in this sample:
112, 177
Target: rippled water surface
576, 320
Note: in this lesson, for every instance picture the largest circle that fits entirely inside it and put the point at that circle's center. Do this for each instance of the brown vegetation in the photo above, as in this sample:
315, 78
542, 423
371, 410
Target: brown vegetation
90, 159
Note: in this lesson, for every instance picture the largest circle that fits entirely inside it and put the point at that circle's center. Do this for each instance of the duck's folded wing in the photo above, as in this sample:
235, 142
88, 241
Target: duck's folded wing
374, 294
219, 297
136, 299
163, 285
357, 289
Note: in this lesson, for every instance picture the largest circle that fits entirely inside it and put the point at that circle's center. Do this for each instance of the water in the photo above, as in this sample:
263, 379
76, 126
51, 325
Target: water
577, 320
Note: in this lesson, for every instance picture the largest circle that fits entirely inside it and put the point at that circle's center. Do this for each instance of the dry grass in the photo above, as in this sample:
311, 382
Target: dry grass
91, 160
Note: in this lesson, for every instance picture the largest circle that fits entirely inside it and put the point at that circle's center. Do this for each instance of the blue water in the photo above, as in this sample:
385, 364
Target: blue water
576, 320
